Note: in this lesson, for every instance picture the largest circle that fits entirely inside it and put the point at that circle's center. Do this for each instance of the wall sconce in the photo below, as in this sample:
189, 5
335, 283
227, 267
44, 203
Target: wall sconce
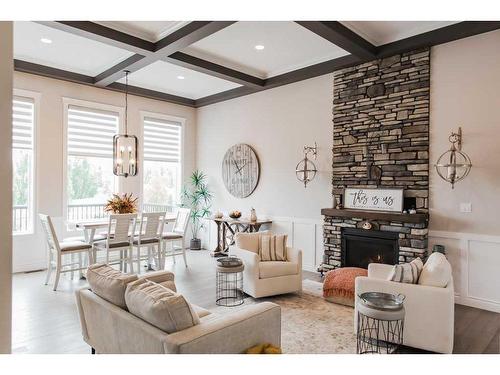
454, 165
125, 146
306, 169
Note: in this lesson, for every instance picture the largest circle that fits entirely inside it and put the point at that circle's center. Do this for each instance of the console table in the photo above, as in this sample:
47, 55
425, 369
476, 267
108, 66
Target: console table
228, 227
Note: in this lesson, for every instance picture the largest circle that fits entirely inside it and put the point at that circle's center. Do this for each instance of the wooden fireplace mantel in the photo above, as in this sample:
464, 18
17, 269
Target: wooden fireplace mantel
376, 215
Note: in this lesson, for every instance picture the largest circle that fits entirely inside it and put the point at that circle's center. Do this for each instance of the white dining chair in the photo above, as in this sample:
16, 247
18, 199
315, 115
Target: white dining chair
120, 237
149, 237
175, 238
59, 252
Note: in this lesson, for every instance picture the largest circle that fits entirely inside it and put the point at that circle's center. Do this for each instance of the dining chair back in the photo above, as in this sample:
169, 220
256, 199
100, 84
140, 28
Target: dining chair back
181, 221
121, 227
50, 233
151, 225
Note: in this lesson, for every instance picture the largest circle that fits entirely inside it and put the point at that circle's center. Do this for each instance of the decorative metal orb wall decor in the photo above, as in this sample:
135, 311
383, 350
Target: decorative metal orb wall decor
454, 165
306, 169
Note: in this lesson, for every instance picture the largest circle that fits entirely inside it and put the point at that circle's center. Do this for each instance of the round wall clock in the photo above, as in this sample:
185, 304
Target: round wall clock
240, 170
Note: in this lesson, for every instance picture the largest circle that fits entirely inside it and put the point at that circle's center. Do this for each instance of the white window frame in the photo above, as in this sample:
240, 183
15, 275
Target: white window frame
165, 117
67, 102
36, 97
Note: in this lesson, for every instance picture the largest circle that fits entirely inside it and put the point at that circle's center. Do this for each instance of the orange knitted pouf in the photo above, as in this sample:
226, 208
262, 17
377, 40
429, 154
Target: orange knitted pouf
338, 286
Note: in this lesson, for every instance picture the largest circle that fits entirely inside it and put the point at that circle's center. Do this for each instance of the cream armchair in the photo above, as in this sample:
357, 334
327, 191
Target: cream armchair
263, 279
429, 310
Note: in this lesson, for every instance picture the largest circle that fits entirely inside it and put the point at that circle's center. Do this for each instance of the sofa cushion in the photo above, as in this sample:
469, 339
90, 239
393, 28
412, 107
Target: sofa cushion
160, 306
109, 283
273, 248
276, 269
165, 278
249, 241
407, 272
436, 271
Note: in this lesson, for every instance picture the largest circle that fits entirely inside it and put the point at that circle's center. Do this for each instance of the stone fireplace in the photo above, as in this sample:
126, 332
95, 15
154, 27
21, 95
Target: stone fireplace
380, 139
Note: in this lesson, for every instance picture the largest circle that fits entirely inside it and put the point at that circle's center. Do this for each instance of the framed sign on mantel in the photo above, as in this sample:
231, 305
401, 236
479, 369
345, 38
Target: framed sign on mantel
390, 200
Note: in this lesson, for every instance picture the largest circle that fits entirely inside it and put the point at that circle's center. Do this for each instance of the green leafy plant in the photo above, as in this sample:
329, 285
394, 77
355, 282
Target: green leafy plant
198, 198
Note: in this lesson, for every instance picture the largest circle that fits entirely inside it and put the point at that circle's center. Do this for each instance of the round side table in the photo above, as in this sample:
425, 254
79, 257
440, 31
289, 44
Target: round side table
229, 283
380, 323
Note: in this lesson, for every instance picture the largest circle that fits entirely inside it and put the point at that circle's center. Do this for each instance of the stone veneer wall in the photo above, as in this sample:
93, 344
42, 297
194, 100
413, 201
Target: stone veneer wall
381, 125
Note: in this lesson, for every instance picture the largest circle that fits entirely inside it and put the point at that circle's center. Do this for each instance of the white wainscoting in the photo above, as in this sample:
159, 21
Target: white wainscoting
304, 234
475, 259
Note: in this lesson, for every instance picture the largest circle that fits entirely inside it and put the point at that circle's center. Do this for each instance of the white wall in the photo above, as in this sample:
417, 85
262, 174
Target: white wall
6, 68
465, 78
29, 252
277, 123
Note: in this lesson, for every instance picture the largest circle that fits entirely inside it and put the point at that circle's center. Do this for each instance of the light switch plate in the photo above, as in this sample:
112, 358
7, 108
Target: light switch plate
466, 207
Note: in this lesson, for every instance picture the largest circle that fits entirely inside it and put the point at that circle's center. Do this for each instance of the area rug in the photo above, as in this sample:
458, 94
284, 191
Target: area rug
311, 325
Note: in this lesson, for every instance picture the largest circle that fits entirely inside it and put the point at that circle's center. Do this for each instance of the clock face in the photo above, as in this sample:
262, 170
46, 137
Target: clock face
240, 170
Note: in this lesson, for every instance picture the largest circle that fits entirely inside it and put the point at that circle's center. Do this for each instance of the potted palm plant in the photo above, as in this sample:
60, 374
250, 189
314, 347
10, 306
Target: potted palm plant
197, 197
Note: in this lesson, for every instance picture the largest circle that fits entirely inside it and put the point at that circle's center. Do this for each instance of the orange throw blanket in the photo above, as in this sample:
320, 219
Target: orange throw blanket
340, 282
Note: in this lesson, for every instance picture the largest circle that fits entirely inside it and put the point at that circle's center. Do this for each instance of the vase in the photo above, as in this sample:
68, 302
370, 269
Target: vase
195, 244
253, 215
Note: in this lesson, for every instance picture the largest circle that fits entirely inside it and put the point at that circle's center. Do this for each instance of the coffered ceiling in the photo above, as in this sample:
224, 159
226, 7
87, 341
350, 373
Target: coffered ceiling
204, 62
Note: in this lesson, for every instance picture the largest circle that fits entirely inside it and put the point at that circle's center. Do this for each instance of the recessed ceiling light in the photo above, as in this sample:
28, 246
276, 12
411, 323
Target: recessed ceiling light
180, 77
46, 40
259, 47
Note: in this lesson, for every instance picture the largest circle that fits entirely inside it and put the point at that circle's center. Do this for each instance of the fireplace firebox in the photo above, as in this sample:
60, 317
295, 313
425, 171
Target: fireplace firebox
361, 247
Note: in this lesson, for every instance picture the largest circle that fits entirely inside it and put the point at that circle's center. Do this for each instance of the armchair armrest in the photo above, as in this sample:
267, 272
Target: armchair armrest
250, 260
379, 270
230, 333
294, 256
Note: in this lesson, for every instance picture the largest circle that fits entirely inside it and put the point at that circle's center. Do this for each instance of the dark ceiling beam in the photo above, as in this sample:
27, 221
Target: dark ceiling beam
174, 42
103, 34
226, 95
64, 75
442, 35
216, 70
47, 71
342, 36
151, 94
312, 71
102, 78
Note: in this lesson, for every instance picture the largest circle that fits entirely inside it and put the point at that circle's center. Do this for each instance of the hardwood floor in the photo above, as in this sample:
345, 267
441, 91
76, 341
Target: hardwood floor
47, 322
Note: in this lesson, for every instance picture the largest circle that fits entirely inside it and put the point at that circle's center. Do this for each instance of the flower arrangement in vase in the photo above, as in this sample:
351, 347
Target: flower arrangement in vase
121, 204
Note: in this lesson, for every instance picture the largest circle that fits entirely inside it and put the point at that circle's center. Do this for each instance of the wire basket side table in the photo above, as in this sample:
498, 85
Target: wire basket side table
229, 286
379, 330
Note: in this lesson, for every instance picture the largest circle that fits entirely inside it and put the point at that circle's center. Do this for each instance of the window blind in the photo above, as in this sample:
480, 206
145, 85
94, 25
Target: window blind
162, 140
91, 131
23, 121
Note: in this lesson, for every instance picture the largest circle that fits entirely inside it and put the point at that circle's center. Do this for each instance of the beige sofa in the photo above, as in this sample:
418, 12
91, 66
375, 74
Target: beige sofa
263, 279
429, 310
108, 328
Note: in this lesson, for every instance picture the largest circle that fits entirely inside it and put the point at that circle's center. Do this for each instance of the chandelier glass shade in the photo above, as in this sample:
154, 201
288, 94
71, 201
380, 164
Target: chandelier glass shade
454, 165
125, 146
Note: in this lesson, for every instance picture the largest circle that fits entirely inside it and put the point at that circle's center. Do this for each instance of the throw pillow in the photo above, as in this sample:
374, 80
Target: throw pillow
249, 241
407, 272
160, 306
273, 248
436, 271
109, 283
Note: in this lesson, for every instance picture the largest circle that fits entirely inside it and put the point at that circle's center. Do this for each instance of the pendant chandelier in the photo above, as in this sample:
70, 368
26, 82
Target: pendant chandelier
125, 146
454, 165
306, 169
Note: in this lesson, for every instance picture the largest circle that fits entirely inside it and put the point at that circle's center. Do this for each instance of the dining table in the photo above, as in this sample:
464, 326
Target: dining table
89, 228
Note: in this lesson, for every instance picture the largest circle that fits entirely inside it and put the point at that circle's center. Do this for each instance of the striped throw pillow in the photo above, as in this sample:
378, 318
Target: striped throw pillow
273, 248
407, 272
